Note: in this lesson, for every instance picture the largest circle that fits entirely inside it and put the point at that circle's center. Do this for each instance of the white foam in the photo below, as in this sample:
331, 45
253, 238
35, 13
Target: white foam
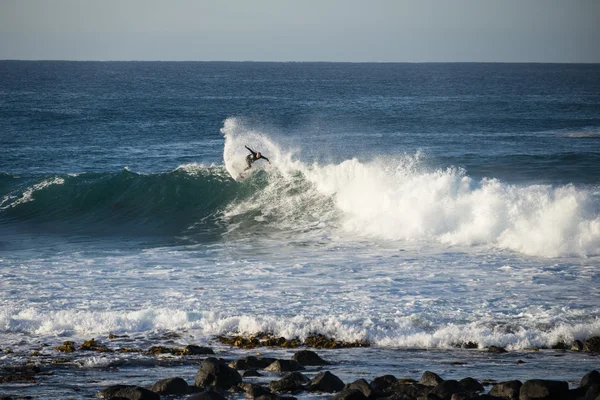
27, 195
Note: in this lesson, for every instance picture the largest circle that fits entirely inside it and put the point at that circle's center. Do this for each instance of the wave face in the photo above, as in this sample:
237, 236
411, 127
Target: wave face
387, 198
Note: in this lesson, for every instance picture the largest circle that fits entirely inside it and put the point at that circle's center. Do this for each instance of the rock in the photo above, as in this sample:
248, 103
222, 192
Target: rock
430, 379
307, 357
252, 362
325, 382
216, 373
471, 385
67, 347
194, 350
446, 389
350, 394
496, 350
592, 345
464, 396
541, 389
128, 392
592, 377
292, 382
253, 391
410, 390
170, 386
508, 390
272, 396
577, 345
281, 366
361, 385
251, 373
381, 383
209, 394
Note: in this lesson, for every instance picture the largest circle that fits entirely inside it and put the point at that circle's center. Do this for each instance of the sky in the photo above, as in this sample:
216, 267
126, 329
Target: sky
302, 30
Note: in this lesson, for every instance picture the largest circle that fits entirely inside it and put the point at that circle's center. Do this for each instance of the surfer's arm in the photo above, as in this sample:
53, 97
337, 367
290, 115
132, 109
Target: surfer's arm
261, 156
250, 150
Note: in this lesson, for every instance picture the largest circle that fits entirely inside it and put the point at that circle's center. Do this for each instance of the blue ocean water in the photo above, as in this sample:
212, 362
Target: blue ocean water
414, 206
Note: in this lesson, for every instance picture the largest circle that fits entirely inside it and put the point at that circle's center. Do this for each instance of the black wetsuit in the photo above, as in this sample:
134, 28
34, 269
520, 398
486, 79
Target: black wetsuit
253, 156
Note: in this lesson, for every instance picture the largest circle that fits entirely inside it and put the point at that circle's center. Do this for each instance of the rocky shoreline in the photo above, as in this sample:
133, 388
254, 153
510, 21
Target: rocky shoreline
306, 374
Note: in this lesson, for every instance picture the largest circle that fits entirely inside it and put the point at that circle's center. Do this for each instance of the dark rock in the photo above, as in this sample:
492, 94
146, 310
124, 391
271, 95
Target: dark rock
408, 390
430, 379
541, 389
577, 345
216, 373
560, 346
464, 396
281, 366
325, 382
253, 391
307, 357
350, 394
592, 392
426, 397
471, 385
592, 377
250, 373
446, 389
170, 386
128, 392
507, 390
496, 350
252, 362
592, 345
361, 385
194, 350
273, 396
488, 397
292, 382
381, 383
209, 394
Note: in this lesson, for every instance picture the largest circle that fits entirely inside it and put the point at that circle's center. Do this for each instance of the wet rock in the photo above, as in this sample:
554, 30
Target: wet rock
350, 394
251, 362
592, 392
381, 383
67, 347
430, 379
471, 385
464, 396
19, 373
209, 394
508, 390
446, 389
194, 350
170, 386
128, 392
404, 390
307, 357
216, 373
496, 350
577, 345
93, 345
592, 377
361, 385
273, 396
251, 373
592, 345
541, 389
325, 382
282, 366
292, 382
560, 346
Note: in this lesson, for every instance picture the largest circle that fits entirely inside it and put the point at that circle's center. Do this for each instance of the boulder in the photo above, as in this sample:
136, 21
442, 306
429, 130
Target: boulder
214, 372
430, 379
496, 350
282, 366
381, 383
471, 385
350, 394
592, 345
592, 392
208, 394
592, 377
464, 396
361, 385
170, 386
408, 390
307, 357
251, 362
577, 345
508, 390
251, 373
446, 389
292, 382
541, 389
128, 392
253, 391
325, 382
194, 350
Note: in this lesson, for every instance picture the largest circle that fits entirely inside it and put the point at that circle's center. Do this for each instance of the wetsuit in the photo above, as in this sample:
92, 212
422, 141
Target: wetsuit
253, 156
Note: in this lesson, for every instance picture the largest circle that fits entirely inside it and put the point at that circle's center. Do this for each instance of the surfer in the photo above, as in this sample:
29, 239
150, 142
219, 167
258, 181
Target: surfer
253, 156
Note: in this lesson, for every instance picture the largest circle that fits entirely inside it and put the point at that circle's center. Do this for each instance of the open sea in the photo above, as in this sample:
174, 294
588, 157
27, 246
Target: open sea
411, 206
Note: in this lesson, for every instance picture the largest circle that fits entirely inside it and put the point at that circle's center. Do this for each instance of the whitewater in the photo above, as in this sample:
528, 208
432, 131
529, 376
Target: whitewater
418, 218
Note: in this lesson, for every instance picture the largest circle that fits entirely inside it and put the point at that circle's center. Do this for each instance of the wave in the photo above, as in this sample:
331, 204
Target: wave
410, 331
387, 198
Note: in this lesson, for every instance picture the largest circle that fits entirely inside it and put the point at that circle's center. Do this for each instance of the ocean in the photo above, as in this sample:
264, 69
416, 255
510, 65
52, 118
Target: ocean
415, 207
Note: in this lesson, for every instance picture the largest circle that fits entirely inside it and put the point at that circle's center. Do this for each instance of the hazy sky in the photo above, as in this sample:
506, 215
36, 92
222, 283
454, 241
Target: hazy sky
302, 30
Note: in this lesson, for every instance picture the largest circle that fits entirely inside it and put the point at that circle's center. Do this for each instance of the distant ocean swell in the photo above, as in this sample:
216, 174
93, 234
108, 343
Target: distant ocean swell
396, 199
